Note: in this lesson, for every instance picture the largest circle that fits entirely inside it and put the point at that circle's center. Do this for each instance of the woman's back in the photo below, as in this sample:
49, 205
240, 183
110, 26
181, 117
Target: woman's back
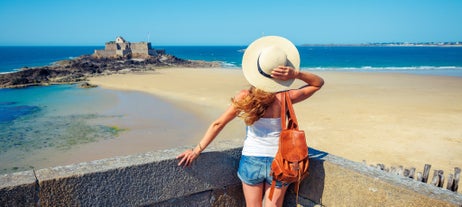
274, 110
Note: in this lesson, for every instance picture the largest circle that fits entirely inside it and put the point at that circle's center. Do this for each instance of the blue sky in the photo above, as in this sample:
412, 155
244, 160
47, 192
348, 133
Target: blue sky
227, 22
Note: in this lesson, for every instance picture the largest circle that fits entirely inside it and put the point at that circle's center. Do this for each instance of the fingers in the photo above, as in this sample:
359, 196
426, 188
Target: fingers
281, 69
187, 157
183, 159
278, 72
282, 73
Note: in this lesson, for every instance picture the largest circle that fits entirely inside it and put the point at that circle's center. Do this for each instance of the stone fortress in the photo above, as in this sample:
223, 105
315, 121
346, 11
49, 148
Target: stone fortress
120, 48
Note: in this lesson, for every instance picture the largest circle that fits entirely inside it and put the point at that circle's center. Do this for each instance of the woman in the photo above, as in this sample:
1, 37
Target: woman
270, 64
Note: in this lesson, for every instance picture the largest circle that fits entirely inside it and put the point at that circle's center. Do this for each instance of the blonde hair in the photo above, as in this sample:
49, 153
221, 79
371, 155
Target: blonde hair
253, 106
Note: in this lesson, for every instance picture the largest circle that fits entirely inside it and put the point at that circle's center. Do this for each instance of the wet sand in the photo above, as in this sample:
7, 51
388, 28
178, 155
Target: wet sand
389, 118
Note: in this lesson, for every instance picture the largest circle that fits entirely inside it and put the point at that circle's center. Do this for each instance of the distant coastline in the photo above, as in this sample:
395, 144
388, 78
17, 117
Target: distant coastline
393, 44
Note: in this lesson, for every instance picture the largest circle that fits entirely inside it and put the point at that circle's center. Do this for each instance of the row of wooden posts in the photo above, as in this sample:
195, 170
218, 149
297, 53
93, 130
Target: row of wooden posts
438, 178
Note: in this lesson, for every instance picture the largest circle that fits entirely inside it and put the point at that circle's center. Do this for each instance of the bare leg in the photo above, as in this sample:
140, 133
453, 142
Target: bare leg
253, 194
278, 196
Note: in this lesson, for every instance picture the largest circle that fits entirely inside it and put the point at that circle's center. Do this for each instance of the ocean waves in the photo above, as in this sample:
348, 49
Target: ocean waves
424, 70
388, 68
430, 70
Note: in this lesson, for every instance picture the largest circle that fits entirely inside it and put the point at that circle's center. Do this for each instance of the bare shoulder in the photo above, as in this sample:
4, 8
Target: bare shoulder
242, 94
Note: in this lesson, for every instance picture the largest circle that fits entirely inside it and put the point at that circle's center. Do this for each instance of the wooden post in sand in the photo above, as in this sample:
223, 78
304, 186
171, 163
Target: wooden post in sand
435, 180
453, 180
438, 178
426, 173
441, 178
450, 182
455, 186
411, 172
419, 177
406, 173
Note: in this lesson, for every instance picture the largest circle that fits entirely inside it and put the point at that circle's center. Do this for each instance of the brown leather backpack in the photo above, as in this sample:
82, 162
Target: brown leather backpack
291, 162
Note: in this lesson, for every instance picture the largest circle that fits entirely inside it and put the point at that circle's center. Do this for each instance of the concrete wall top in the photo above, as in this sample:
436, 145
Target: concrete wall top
154, 179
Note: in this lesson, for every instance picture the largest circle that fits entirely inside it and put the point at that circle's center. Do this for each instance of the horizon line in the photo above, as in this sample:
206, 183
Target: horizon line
429, 43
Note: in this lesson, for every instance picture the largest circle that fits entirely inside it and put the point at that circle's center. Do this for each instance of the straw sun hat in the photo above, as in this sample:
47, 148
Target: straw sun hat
265, 54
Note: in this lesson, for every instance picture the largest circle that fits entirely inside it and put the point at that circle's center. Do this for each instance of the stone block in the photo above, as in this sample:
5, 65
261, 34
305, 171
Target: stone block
229, 196
136, 180
18, 189
335, 181
199, 199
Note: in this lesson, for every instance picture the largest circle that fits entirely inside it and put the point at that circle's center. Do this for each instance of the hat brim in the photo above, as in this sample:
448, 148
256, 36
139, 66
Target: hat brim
250, 63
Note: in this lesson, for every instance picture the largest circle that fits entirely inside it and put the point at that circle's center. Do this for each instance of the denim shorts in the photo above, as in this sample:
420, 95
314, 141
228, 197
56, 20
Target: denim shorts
255, 170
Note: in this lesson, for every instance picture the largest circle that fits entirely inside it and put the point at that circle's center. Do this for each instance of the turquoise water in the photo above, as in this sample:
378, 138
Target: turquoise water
55, 117
35, 117
61, 117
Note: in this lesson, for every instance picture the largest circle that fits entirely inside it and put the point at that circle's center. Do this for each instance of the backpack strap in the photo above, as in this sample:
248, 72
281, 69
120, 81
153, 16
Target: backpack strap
287, 112
297, 186
293, 123
283, 111
273, 185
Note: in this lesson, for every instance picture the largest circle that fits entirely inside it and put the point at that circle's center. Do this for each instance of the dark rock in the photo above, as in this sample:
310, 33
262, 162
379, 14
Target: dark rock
79, 69
86, 85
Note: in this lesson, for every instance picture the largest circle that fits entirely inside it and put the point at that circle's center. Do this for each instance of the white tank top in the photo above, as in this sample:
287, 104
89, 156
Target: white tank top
262, 138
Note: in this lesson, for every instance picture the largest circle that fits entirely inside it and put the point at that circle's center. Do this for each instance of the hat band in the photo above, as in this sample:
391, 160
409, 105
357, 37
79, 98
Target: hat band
260, 70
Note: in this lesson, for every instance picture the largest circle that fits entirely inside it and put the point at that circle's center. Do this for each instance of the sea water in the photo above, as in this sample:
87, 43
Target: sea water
446, 61
13, 58
418, 59
40, 117
64, 116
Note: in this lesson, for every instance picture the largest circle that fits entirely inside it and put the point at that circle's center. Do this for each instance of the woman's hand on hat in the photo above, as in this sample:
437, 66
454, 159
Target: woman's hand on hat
187, 157
284, 73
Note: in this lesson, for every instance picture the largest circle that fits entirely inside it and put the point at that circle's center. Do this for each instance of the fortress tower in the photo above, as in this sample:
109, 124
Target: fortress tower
122, 48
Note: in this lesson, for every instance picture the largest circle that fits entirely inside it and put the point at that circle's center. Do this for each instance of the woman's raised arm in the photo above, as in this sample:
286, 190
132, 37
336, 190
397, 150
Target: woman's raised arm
314, 82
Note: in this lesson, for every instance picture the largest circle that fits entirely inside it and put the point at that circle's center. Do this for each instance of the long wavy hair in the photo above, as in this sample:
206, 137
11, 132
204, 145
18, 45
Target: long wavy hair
253, 106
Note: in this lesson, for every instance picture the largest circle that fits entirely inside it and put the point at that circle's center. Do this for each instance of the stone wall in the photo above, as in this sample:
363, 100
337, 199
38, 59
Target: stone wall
141, 49
154, 179
111, 46
104, 53
135, 50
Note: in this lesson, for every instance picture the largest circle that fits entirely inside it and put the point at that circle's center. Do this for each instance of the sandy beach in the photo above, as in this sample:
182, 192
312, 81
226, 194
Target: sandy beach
389, 118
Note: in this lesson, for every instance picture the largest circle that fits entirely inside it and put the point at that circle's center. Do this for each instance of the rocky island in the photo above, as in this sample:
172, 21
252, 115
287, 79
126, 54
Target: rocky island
119, 56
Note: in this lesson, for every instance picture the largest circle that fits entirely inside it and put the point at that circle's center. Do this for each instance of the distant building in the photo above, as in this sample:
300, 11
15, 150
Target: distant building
122, 48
